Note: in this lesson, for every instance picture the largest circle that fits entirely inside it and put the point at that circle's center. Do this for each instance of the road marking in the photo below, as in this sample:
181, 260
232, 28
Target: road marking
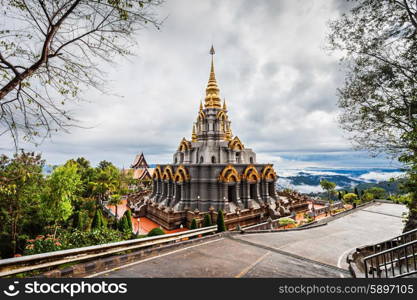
251, 266
339, 261
148, 259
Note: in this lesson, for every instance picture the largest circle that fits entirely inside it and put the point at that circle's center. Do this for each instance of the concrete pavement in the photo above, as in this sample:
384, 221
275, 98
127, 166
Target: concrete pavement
317, 252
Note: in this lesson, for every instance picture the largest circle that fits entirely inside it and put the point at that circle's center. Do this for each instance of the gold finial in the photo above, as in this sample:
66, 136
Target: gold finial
224, 104
201, 106
194, 135
212, 99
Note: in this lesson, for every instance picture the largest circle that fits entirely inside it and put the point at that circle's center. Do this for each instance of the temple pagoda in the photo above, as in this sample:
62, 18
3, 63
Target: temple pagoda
213, 170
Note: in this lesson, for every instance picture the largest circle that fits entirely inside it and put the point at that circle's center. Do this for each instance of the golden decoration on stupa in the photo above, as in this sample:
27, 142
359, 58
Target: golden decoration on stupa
212, 99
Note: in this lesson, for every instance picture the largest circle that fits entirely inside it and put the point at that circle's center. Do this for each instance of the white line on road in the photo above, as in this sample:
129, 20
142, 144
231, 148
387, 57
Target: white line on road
150, 258
339, 261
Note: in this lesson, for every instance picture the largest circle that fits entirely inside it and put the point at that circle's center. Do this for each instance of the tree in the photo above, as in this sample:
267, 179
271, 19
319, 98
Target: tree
124, 226
340, 196
356, 191
220, 221
377, 192
60, 193
378, 42
128, 215
115, 200
98, 222
328, 186
193, 224
21, 184
105, 183
207, 220
43, 68
350, 198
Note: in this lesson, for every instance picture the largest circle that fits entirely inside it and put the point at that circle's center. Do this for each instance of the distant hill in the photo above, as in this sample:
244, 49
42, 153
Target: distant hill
308, 180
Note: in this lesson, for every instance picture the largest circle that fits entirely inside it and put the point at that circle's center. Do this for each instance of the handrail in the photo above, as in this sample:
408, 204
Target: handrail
398, 236
21, 264
390, 249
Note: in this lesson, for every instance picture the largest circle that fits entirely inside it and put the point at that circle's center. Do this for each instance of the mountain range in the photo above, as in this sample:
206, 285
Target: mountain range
308, 180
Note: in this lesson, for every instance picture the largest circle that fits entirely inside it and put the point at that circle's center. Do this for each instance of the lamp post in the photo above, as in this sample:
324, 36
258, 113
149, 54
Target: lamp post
138, 233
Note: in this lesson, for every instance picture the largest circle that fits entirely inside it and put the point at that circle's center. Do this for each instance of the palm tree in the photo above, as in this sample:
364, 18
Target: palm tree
115, 200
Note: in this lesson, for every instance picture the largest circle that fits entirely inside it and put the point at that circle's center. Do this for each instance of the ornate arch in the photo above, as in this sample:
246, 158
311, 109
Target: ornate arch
268, 173
201, 115
229, 174
181, 174
168, 173
221, 115
251, 174
157, 173
184, 145
236, 144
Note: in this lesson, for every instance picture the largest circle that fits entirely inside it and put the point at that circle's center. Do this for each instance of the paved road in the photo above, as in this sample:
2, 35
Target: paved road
314, 252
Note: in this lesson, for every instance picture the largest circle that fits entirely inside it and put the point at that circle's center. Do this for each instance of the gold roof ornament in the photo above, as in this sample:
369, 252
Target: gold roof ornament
201, 106
194, 135
212, 99
224, 104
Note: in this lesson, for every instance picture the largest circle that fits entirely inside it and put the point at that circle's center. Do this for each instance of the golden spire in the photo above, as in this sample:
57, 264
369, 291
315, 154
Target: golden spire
224, 104
212, 99
194, 135
201, 106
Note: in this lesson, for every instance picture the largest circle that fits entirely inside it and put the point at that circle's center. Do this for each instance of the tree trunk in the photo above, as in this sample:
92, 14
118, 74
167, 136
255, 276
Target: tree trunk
412, 216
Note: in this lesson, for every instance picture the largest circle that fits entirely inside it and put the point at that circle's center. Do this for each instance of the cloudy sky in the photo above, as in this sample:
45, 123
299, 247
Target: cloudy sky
279, 82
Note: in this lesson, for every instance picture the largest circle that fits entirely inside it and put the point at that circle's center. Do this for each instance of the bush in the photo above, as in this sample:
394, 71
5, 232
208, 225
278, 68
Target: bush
124, 225
350, 198
285, 221
193, 224
156, 231
98, 221
79, 238
71, 239
42, 244
207, 220
128, 215
221, 227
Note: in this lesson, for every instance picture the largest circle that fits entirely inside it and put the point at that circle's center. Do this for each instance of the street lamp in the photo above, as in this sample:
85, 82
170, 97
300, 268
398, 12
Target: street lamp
138, 226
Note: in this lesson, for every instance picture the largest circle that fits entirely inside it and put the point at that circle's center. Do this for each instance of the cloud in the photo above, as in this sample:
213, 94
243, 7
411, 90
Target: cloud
380, 176
279, 83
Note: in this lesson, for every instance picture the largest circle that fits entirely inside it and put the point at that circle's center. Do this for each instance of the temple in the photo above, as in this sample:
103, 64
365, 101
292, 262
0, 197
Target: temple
213, 170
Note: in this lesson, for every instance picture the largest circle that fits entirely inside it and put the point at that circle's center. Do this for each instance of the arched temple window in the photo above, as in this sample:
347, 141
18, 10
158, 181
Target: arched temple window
181, 158
213, 159
251, 160
201, 160
238, 157
176, 160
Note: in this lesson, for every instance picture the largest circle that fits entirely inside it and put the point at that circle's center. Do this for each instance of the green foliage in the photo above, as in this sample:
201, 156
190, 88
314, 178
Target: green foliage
124, 225
328, 186
193, 224
155, 231
350, 198
377, 192
42, 244
98, 222
21, 184
285, 221
366, 197
60, 192
207, 220
221, 227
128, 215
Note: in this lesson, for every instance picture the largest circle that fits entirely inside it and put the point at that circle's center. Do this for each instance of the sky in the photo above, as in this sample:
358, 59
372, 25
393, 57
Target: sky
271, 65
